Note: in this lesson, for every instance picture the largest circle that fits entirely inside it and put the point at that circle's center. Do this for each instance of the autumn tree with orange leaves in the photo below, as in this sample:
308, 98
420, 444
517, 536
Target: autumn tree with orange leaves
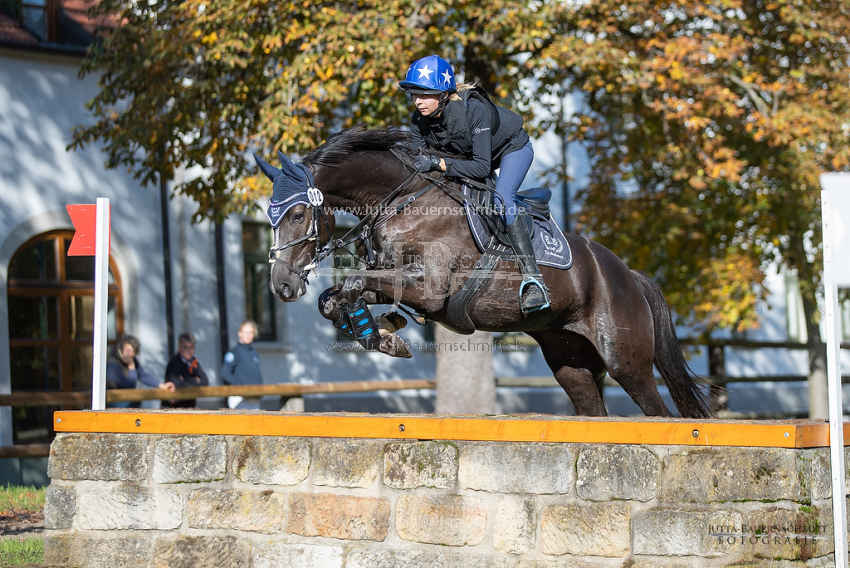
707, 123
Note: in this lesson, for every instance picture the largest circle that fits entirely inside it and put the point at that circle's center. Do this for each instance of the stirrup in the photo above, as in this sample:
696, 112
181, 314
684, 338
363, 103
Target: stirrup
546, 301
363, 326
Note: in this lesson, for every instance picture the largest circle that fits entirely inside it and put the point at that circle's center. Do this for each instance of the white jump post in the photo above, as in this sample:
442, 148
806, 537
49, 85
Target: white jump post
91, 238
101, 289
835, 205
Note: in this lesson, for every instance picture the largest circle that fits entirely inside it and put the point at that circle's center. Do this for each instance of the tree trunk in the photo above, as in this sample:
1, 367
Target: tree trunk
465, 383
818, 388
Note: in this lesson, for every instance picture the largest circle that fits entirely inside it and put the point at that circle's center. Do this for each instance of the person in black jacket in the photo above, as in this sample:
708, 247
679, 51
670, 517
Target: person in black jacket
184, 370
242, 367
462, 120
123, 371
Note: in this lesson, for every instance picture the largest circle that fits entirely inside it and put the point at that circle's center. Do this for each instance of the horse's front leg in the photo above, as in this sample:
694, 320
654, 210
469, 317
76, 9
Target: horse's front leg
346, 305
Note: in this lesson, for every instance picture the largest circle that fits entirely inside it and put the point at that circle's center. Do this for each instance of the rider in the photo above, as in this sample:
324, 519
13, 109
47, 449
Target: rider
461, 120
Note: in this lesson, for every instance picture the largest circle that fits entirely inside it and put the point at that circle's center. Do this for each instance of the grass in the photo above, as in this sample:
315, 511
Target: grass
14, 552
17, 499
20, 501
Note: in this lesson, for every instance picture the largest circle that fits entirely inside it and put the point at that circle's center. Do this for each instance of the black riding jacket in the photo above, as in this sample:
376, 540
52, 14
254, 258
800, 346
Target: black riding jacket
465, 128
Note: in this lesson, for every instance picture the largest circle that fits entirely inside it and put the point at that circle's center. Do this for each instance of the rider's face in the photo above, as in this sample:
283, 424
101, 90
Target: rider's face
426, 104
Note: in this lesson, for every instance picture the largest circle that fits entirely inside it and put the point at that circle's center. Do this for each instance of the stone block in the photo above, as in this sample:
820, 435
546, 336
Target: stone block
253, 511
394, 558
616, 472
346, 463
277, 554
821, 468
471, 561
99, 457
132, 550
57, 549
666, 563
60, 505
339, 516
798, 533
189, 459
569, 563
678, 532
108, 507
517, 468
408, 465
449, 520
586, 529
263, 460
205, 551
515, 526
731, 474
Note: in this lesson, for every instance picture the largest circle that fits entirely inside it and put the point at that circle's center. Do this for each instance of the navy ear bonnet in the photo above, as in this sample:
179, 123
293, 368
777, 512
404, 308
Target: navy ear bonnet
292, 185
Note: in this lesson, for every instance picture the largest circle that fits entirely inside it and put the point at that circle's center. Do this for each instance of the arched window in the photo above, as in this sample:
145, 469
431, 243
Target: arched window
51, 325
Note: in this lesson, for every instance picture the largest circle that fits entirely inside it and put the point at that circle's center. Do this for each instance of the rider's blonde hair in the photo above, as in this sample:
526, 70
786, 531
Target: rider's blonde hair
460, 88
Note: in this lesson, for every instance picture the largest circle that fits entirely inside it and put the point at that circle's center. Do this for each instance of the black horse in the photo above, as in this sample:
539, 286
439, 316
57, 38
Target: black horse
603, 317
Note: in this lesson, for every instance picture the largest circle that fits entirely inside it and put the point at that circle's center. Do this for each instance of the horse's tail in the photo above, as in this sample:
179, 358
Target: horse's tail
691, 401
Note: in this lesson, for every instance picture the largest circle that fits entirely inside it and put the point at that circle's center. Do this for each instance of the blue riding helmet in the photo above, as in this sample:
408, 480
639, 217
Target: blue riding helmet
430, 75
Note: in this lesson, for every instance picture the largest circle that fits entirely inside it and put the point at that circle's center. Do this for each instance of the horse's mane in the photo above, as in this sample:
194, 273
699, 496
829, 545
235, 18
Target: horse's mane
342, 145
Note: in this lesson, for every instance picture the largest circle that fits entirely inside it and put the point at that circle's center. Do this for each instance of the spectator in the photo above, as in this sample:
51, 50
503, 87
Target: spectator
123, 371
242, 367
184, 370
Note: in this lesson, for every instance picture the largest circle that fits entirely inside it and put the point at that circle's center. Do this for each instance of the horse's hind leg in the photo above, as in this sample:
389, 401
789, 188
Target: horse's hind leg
642, 388
633, 371
577, 368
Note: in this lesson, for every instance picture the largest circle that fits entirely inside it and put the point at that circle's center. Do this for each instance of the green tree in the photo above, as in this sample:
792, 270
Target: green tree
709, 123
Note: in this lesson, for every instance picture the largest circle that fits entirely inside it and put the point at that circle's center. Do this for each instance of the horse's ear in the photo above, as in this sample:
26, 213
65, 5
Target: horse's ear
267, 169
288, 165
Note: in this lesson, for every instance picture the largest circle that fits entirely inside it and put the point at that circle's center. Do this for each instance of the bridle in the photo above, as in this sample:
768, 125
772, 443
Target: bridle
313, 198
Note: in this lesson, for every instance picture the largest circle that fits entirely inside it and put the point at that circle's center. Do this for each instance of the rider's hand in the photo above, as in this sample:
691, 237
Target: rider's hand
427, 163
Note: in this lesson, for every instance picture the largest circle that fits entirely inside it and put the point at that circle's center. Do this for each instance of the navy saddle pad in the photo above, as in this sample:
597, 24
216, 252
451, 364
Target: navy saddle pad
550, 244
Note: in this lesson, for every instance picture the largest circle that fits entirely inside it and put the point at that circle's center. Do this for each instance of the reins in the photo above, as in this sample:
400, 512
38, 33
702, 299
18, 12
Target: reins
366, 227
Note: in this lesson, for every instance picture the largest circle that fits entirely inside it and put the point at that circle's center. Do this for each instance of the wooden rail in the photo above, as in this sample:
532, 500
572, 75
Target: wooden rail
83, 398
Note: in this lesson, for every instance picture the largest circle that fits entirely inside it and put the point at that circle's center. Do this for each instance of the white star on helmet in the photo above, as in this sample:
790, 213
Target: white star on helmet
447, 77
425, 72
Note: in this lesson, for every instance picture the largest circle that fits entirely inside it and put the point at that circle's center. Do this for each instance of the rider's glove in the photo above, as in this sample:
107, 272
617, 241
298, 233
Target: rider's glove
426, 163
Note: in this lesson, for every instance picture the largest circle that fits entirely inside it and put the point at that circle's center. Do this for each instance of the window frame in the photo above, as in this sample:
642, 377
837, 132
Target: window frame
250, 259
63, 290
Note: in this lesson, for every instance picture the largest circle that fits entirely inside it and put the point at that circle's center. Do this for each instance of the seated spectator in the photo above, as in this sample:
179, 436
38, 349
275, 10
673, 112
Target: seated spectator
184, 370
123, 371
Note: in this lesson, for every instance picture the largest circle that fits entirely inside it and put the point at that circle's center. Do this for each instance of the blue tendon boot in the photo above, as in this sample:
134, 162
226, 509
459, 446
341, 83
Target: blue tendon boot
533, 294
363, 326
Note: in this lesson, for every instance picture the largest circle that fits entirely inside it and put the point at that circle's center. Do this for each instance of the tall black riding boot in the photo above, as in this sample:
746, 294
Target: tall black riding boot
533, 295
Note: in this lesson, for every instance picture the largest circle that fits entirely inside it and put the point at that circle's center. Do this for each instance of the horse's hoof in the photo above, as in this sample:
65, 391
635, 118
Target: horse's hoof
394, 346
389, 322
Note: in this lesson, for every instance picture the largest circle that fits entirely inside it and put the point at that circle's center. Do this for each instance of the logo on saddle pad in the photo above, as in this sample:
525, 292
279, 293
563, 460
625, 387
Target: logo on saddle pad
553, 244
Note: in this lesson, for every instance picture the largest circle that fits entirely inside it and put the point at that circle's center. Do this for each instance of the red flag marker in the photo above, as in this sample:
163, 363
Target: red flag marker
84, 219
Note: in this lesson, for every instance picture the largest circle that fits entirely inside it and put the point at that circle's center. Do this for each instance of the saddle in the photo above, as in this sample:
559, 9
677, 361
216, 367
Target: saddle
531, 204
489, 232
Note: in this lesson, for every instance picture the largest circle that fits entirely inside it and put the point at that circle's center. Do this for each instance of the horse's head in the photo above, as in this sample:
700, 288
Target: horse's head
300, 226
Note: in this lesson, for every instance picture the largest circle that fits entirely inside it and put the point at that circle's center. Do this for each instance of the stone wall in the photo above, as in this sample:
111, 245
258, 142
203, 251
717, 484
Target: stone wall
152, 500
